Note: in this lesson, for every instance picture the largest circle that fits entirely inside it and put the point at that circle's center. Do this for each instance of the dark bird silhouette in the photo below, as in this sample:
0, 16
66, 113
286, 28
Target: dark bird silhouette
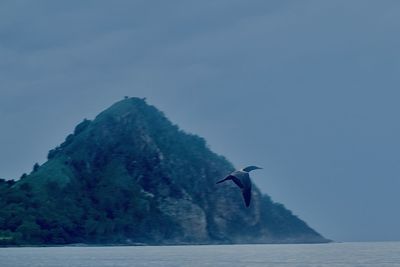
242, 179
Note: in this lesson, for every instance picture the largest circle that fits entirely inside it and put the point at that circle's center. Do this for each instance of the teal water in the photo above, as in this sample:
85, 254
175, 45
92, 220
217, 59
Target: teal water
380, 254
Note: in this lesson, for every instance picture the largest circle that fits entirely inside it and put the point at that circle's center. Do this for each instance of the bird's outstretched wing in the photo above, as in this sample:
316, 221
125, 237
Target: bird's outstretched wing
225, 179
242, 180
246, 192
237, 181
234, 179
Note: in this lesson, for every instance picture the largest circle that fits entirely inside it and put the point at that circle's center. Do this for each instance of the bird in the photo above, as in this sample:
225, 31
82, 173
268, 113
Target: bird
242, 179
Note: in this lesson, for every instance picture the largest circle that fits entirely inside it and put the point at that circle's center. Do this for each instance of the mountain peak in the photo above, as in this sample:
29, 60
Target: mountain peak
128, 105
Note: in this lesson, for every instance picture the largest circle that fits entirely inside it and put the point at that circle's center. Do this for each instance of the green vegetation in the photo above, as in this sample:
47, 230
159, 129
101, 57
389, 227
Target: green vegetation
130, 176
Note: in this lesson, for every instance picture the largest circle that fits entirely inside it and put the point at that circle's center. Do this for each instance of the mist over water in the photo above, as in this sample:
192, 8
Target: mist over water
382, 254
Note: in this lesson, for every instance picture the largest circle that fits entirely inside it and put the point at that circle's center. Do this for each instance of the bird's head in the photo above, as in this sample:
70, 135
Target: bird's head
250, 168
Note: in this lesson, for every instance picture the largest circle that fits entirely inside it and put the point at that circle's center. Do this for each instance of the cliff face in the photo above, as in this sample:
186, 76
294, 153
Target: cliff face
130, 176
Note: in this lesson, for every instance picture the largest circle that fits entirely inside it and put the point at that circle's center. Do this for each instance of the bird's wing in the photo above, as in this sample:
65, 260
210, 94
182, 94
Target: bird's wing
229, 177
245, 181
237, 181
246, 192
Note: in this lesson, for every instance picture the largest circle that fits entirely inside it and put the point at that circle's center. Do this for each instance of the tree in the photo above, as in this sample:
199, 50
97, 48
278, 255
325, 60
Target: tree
36, 167
30, 231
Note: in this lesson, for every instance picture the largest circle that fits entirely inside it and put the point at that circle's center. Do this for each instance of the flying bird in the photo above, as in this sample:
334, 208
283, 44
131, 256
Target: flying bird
242, 179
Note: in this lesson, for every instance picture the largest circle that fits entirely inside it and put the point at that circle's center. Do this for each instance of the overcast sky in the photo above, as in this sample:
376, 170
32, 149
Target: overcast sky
309, 90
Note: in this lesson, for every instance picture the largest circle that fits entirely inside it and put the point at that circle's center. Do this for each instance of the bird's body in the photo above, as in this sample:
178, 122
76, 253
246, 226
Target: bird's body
242, 179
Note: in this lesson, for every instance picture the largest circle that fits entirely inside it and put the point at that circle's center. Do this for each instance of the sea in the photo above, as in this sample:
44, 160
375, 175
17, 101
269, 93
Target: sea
379, 254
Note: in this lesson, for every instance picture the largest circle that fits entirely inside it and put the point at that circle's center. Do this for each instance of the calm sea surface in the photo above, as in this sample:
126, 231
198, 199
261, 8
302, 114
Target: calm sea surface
336, 254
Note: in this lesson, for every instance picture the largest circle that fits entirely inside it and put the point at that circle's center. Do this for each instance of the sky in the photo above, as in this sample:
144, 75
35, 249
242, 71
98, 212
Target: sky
308, 89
